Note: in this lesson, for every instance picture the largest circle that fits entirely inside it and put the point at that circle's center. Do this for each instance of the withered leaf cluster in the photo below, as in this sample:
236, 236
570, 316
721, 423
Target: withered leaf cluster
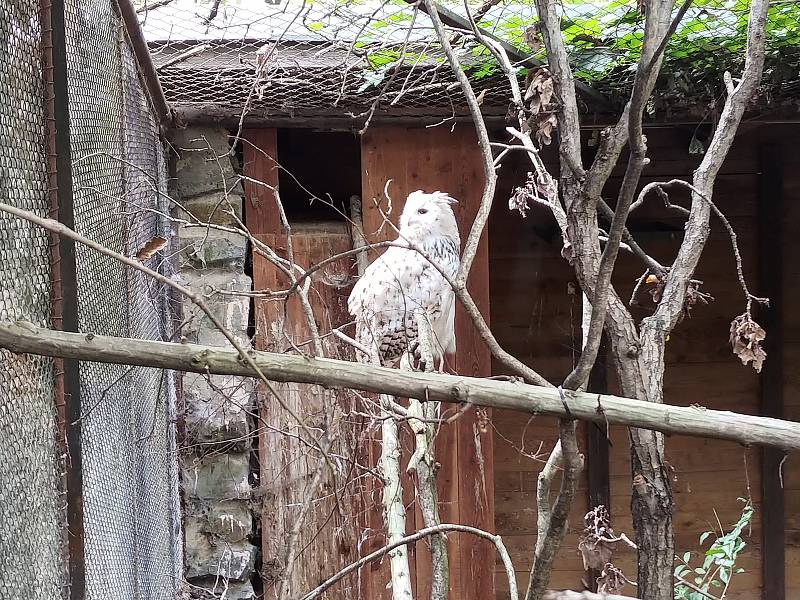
746, 338
597, 545
537, 188
538, 98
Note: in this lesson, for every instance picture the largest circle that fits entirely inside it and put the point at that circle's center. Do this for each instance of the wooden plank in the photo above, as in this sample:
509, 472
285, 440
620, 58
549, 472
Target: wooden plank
381, 160
770, 252
475, 447
260, 152
328, 536
328, 540
438, 159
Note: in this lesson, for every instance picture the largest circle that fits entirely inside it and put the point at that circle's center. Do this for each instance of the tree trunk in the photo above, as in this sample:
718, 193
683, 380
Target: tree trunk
640, 366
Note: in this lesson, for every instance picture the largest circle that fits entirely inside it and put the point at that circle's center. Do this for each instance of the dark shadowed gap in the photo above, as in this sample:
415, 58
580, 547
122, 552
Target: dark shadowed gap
254, 464
325, 164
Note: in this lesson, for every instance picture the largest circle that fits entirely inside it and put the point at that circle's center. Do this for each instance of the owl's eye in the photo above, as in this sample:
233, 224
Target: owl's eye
422, 211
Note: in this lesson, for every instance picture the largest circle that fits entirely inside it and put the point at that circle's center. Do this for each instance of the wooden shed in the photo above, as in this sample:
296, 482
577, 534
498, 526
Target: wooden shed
530, 296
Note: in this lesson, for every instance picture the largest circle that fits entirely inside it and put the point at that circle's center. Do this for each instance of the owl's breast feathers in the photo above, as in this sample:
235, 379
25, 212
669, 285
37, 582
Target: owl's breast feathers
395, 286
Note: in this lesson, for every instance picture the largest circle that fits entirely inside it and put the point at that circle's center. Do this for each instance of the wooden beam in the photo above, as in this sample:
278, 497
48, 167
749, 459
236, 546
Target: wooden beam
770, 267
748, 430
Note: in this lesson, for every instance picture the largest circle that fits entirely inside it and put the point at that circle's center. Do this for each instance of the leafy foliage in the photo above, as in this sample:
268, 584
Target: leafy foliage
604, 38
714, 576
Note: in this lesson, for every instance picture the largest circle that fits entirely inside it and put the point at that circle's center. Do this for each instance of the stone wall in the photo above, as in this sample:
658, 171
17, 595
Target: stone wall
215, 456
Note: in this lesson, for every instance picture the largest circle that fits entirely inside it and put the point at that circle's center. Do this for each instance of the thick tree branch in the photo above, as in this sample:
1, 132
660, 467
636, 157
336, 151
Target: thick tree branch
656, 30
552, 531
569, 122
680, 420
614, 138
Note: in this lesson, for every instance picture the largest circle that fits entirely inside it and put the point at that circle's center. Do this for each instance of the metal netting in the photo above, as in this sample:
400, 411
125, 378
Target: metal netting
130, 472
290, 57
129, 478
31, 504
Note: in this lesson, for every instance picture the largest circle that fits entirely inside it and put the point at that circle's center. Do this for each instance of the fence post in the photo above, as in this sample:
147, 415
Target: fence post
65, 274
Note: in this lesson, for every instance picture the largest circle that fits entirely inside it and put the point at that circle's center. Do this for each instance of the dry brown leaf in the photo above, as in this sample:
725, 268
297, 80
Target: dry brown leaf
539, 91
150, 248
595, 554
694, 296
533, 38
598, 541
746, 338
544, 129
657, 288
538, 188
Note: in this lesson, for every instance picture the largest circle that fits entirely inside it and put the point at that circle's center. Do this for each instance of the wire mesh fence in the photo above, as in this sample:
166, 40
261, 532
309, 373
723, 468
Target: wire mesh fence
291, 57
31, 505
131, 523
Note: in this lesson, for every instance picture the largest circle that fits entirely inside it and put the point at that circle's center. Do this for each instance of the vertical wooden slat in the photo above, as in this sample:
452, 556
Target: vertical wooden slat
770, 260
260, 155
328, 537
438, 159
475, 450
382, 159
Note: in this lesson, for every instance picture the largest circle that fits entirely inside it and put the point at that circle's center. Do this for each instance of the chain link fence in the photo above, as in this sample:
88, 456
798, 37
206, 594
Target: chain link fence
31, 504
288, 58
131, 526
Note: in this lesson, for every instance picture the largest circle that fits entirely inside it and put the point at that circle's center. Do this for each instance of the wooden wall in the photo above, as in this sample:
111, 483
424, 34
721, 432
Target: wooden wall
535, 317
535, 312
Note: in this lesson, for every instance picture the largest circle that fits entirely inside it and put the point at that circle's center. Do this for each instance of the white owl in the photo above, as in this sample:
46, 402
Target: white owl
402, 285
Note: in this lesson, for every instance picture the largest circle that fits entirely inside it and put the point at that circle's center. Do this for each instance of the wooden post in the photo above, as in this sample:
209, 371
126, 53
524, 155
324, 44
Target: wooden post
770, 265
328, 537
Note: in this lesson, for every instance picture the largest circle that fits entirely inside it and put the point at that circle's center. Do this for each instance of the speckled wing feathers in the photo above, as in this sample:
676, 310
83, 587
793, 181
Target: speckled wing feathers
394, 287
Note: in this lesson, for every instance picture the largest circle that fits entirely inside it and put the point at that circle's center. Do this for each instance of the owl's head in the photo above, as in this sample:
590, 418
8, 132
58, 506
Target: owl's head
428, 215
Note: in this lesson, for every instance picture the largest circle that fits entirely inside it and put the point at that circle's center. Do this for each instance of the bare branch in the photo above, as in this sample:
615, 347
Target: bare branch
669, 309
421, 534
644, 81
489, 173
569, 123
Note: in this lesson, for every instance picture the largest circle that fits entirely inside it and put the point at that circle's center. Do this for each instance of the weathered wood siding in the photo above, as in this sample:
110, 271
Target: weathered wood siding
535, 317
328, 538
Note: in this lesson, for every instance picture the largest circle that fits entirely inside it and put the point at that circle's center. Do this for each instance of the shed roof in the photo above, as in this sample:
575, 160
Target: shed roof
295, 58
